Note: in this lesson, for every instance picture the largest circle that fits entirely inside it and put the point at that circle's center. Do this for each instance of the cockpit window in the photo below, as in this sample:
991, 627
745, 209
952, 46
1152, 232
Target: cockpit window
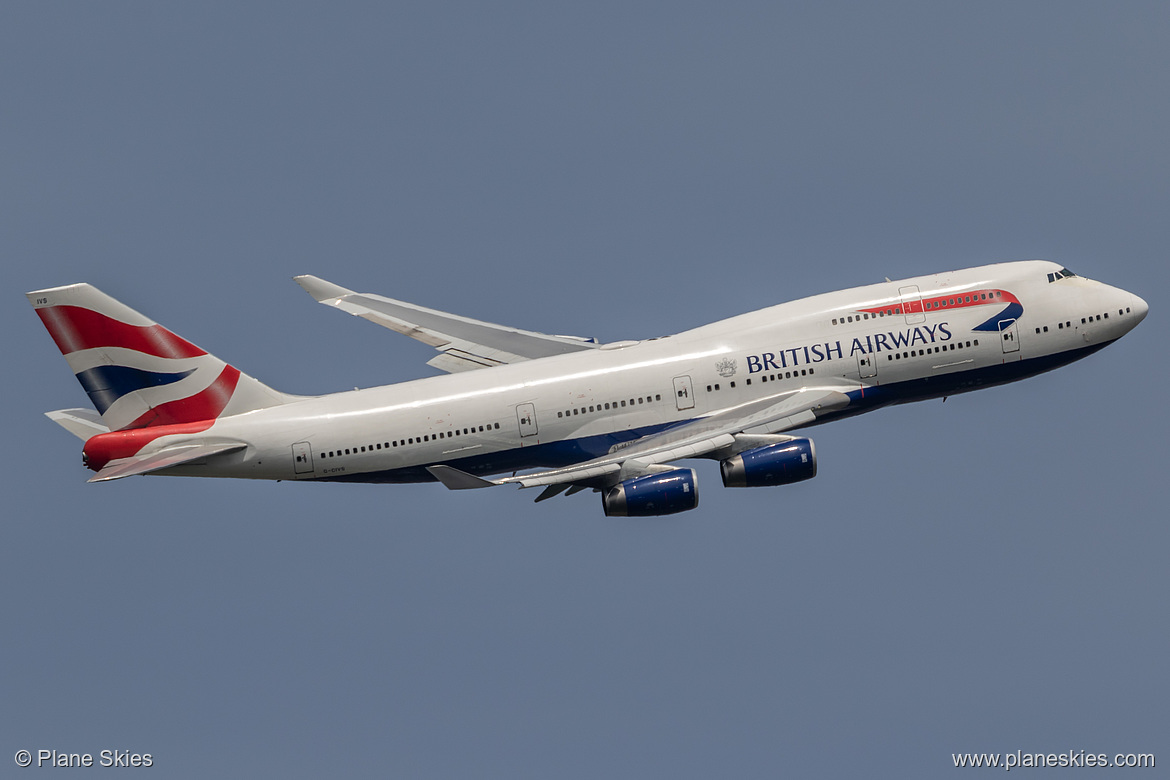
1061, 274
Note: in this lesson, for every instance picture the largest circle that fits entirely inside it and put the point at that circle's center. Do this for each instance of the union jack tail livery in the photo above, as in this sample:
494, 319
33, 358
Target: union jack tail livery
136, 372
144, 381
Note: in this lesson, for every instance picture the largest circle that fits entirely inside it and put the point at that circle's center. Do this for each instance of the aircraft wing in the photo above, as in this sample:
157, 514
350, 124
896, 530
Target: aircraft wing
170, 456
465, 344
717, 435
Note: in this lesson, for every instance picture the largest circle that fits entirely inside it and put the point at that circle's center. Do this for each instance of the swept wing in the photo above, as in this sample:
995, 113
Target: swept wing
465, 344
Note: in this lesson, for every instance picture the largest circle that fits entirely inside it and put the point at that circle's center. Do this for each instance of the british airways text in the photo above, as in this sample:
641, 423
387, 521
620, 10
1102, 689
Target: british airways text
877, 342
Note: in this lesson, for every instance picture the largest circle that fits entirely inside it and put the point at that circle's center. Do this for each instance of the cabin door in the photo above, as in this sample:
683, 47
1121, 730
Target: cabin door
302, 458
866, 365
1008, 336
684, 393
526, 417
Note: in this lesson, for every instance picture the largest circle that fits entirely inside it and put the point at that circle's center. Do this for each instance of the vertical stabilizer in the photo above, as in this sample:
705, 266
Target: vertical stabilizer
136, 372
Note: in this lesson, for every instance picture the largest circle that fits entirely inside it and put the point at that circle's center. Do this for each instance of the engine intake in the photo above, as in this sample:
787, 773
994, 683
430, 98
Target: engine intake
652, 495
775, 464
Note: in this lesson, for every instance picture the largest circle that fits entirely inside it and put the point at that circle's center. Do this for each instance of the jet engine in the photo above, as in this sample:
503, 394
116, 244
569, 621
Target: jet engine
775, 464
664, 493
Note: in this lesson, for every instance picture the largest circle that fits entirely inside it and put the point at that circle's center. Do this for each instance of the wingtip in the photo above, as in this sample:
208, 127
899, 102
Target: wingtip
320, 289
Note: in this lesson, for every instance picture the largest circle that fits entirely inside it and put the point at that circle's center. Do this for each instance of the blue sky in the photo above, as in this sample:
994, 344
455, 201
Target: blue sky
984, 575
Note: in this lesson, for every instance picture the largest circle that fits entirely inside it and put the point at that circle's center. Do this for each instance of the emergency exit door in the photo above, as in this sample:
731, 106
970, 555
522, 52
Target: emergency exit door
912, 304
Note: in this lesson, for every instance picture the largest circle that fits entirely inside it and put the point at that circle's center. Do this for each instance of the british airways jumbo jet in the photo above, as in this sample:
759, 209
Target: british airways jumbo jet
565, 412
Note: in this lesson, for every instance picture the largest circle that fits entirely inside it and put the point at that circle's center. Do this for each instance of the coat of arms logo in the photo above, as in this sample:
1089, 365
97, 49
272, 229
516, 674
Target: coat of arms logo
726, 367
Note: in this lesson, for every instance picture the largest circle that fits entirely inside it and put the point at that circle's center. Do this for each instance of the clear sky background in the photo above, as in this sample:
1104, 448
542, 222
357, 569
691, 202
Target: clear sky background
984, 575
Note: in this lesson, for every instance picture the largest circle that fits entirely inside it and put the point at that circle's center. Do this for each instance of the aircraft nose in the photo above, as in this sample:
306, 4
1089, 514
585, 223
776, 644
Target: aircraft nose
1140, 309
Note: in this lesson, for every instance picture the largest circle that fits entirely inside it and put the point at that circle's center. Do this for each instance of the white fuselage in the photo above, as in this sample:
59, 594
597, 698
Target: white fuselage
881, 344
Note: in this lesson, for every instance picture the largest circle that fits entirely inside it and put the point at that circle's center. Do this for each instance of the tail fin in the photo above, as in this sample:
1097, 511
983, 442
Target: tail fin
136, 372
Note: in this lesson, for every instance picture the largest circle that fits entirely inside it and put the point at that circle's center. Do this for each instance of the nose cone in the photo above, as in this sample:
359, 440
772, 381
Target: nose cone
1140, 309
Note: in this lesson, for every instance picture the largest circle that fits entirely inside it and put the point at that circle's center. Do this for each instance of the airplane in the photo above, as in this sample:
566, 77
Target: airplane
565, 413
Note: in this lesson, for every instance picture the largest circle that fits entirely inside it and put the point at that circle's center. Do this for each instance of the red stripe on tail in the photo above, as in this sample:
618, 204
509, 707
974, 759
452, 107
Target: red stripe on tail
74, 328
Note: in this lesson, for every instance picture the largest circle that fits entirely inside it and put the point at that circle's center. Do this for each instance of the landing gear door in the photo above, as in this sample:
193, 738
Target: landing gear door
302, 458
1009, 336
684, 393
526, 418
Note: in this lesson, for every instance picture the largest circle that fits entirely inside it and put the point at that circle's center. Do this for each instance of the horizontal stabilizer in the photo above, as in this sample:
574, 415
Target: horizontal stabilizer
172, 456
82, 423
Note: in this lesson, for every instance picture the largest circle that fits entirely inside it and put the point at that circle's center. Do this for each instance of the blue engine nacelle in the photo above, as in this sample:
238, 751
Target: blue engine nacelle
653, 494
775, 464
